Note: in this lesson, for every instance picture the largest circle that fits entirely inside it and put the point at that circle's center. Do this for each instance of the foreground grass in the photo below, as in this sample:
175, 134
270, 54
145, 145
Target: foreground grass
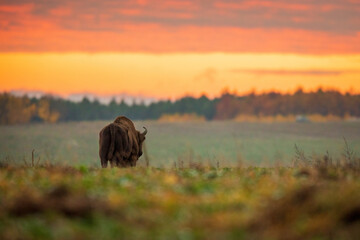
193, 203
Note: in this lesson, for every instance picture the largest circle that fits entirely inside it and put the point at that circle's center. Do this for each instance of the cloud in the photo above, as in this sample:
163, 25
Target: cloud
61, 11
22, 8
332, 16
153, 38
291, 72
331, 26
208, 75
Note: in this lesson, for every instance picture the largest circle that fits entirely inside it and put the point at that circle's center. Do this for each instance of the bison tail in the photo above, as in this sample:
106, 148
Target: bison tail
112, 141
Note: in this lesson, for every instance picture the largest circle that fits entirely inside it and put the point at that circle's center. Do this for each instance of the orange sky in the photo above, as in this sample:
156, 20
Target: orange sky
171, 48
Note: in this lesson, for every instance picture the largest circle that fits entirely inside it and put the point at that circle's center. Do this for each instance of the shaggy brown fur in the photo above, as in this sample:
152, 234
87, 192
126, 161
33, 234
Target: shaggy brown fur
120, 143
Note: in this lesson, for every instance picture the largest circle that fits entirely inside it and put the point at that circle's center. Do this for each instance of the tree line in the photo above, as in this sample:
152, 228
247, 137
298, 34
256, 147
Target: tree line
330, 102
15, 110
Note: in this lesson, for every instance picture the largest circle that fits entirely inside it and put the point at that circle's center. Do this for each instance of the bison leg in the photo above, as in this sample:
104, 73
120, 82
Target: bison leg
133, 160
103, 157
104, 163
118, 159
113, 161
104, 142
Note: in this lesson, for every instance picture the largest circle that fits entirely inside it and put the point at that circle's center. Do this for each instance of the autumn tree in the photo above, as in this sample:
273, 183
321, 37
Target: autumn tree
15, 110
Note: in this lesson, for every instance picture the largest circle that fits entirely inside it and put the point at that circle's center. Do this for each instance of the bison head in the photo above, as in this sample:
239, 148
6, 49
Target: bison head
134, 158
141, 139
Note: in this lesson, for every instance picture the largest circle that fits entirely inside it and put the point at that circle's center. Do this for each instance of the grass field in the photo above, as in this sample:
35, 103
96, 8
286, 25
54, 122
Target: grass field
192, 203
226, 143
62, 193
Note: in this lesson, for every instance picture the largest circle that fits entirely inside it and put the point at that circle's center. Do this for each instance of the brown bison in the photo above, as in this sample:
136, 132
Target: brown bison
120, 143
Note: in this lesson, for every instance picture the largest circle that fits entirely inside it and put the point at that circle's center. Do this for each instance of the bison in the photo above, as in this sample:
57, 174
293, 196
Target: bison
120, 143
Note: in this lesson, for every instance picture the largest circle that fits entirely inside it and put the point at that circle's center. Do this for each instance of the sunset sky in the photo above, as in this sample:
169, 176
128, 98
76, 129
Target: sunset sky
168, 49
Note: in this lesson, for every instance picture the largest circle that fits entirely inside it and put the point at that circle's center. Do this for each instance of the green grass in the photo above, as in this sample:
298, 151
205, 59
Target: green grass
67, 196
225, 142
192, 203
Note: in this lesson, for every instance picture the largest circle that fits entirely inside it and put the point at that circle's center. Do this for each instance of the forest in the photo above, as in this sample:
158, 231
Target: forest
49, 109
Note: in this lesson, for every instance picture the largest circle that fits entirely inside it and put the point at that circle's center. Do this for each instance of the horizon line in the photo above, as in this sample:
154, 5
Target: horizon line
226, 90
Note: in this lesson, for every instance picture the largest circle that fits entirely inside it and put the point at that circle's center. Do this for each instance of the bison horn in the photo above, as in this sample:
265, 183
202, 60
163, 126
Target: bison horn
145, 132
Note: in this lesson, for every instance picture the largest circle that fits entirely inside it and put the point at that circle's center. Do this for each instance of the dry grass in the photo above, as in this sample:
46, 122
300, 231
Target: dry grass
291, 118
187, 117
197, 196
194, 200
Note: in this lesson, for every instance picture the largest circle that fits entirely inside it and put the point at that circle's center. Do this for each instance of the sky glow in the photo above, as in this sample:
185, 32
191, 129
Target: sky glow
167, 49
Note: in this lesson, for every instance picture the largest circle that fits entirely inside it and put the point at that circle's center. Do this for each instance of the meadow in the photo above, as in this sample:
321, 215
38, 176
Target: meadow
206, 180
224, 143
53, 202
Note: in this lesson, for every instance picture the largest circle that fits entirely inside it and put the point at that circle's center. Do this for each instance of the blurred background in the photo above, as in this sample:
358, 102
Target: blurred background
214, 81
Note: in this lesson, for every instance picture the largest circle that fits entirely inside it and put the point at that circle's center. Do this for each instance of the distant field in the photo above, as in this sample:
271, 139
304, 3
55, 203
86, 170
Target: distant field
225, 142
